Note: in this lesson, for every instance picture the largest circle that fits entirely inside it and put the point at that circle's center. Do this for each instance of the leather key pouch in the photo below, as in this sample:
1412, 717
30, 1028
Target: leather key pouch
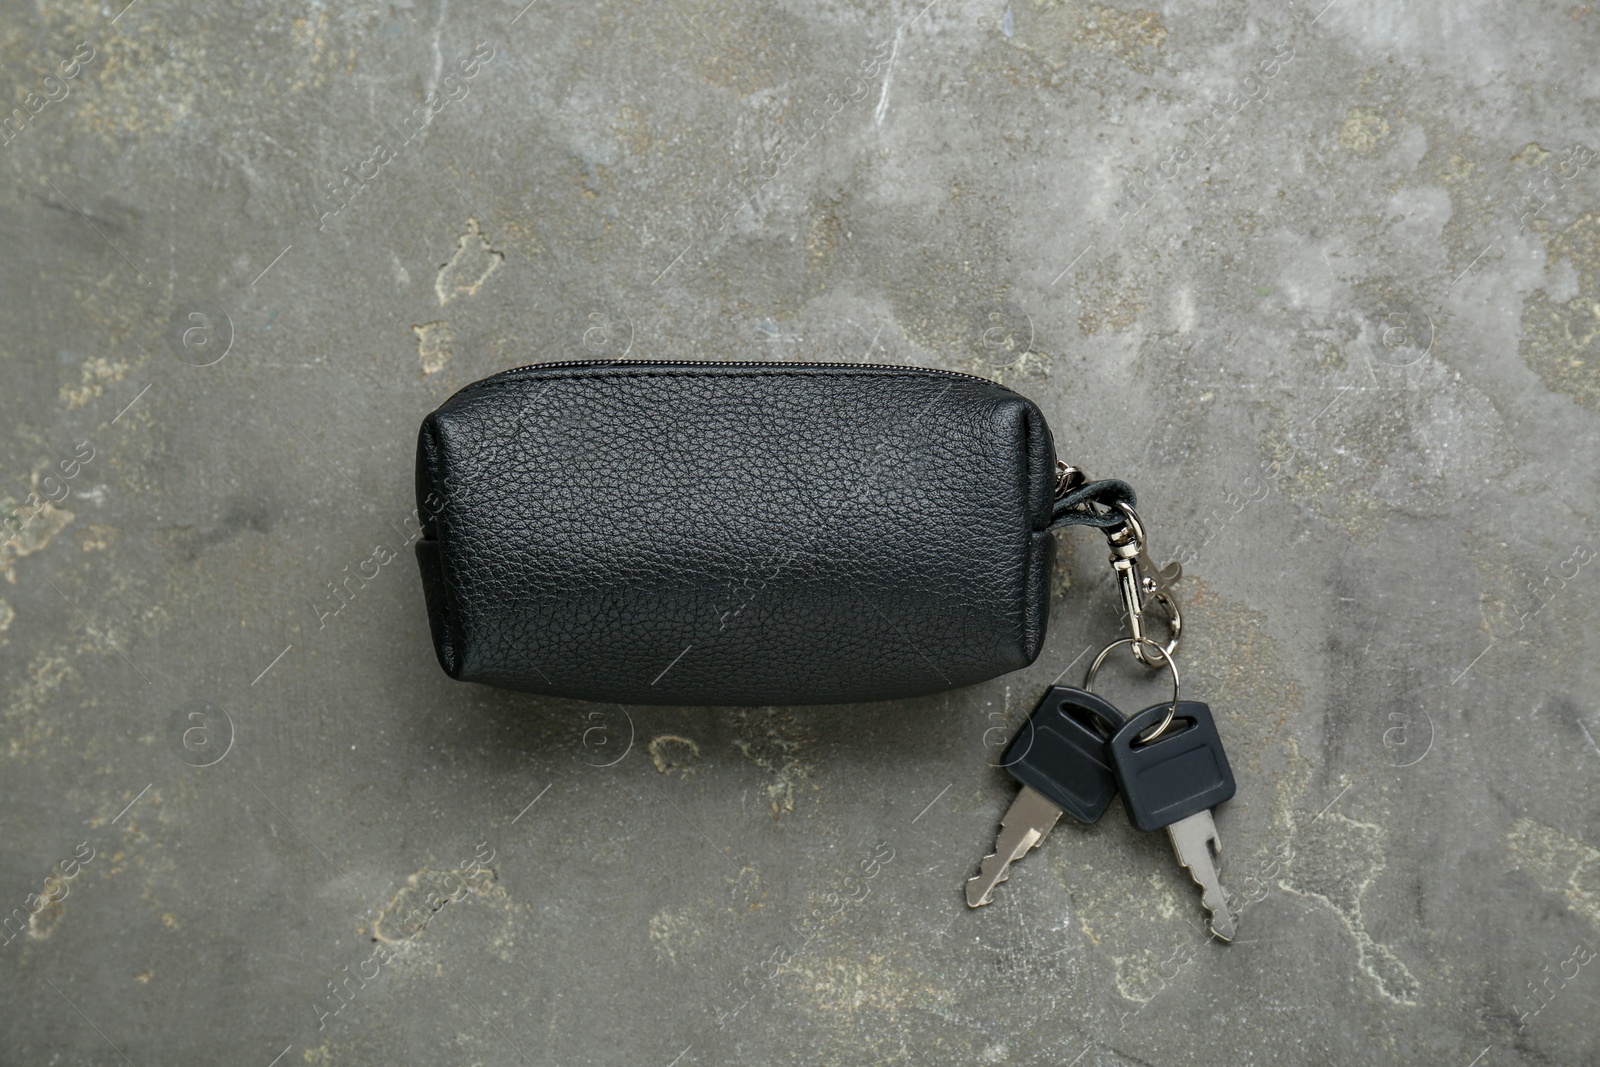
735, 533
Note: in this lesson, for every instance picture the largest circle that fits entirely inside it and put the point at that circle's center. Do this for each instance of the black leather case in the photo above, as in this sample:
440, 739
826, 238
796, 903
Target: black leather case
735, 533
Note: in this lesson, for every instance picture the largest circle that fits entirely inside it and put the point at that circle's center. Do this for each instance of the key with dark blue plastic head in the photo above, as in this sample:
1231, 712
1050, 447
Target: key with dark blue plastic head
1172, 779
1060, 758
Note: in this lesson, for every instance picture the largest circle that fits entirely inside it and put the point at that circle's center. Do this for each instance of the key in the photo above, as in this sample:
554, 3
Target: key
1174, 781
1059, 756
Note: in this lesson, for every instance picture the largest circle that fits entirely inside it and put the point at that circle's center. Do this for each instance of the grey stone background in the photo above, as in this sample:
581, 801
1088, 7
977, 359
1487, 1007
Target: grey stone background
1323, 282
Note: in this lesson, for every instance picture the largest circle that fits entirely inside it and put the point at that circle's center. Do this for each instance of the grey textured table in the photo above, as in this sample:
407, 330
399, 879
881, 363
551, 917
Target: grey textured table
1323, 282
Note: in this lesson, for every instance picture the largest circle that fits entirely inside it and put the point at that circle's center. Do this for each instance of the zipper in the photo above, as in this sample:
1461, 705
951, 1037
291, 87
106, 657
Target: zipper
1067, 477
734, 363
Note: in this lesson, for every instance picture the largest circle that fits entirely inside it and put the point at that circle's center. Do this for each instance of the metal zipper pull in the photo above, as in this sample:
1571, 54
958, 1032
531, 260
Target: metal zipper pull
1068, 478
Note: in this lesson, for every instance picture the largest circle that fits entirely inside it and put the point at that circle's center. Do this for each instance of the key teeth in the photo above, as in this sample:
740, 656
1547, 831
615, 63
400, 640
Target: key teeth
1220, 919
979, 882
1026, 822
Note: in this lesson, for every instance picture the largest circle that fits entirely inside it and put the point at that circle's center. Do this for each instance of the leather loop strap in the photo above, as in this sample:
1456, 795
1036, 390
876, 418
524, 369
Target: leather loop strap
1093, 504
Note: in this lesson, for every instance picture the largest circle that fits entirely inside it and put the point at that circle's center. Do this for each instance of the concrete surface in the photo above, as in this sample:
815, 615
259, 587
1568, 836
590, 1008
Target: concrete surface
1324, 283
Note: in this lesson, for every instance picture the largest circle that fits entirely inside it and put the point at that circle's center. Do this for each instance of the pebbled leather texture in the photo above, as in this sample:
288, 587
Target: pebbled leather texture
735, 533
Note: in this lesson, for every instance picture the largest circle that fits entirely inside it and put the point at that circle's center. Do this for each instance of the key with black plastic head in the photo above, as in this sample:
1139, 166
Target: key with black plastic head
1060, 758
1173, 781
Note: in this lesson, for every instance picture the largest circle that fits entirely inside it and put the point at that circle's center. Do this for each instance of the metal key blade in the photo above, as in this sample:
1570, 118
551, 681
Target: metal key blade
1193, 840
1027, 822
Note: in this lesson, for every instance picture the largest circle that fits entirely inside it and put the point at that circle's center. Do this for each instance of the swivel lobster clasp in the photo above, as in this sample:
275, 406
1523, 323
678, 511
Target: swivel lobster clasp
1141, 582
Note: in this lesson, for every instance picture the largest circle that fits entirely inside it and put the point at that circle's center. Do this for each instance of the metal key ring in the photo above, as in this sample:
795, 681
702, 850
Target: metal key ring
1172, 710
